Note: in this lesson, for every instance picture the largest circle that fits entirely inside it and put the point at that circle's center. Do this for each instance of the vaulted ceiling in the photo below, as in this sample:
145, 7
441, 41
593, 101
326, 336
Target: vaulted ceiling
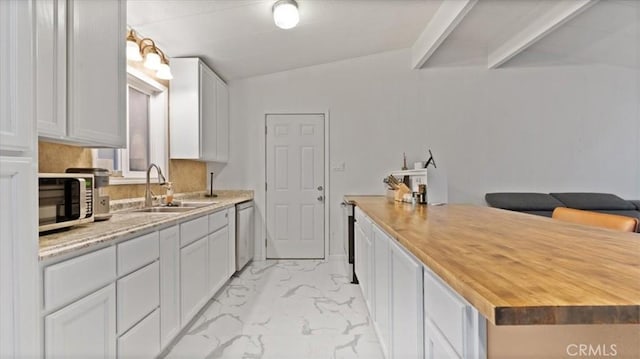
238, 38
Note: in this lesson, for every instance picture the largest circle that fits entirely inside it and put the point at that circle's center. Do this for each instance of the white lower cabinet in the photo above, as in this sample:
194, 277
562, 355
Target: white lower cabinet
436, 346
138, 295
391, 281
143, 340
218, 259
76, 277
130, 300
406, 305
415, 313
169, 284
232, 240
382, 287
84, 329
193, 279
362, 260
452, 325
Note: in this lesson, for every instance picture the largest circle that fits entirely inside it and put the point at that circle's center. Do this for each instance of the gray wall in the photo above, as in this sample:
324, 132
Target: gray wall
520, 128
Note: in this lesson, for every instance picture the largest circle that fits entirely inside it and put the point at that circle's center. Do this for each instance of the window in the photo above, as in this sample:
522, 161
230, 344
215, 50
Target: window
147, 129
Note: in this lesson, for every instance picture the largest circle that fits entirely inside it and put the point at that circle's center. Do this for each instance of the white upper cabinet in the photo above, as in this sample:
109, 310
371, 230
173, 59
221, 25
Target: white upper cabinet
16, 74
222, 117
208, 120
51, 68
199, 112
81, 72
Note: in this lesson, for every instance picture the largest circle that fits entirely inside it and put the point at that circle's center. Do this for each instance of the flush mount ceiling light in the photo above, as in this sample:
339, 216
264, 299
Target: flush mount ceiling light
285, 14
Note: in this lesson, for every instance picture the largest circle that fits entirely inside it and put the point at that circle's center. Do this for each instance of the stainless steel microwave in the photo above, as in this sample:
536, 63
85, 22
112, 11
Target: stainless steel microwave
64, 200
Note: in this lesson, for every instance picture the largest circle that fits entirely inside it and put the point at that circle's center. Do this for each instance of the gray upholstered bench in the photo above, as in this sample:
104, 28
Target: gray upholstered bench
543, 204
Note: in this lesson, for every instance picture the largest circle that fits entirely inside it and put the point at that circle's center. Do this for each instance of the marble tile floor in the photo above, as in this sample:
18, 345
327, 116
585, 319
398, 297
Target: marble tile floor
283, 309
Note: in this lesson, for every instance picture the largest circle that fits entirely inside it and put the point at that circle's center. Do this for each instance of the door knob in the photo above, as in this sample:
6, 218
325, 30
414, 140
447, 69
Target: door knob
320, 188
320, 198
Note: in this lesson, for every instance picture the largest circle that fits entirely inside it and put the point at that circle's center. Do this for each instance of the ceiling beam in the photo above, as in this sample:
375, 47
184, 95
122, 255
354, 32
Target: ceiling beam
538, 29
447, 17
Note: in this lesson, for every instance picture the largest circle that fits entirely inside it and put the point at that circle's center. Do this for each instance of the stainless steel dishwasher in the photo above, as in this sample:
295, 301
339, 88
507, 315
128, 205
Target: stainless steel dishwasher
245, 239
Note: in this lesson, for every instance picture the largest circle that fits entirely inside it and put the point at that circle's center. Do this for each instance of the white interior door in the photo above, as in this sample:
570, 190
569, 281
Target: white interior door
295, 186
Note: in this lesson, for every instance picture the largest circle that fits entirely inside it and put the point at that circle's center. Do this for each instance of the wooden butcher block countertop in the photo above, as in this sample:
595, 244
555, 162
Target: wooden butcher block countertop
517, 268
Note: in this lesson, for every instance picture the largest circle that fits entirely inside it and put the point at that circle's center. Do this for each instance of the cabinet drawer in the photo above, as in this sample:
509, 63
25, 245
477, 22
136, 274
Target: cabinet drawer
218, 220
193, 230
143, 340
69, 280
138, 295
138, 252
445, 309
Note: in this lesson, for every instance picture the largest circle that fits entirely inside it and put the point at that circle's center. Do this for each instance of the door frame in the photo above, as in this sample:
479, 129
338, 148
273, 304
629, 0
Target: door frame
327, 186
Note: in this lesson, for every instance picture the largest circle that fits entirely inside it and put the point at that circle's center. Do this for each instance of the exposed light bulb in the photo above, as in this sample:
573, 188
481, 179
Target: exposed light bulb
133, 51
152, 61
164, 72
285, 14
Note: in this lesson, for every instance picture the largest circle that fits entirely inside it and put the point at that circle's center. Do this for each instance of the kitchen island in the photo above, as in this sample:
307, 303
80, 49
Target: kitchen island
533, 279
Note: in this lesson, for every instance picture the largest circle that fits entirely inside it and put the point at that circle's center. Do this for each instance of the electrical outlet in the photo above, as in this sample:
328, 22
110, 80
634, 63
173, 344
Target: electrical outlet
340, 167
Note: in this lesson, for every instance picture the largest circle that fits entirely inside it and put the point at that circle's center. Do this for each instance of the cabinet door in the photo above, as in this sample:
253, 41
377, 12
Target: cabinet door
369, 262
16, 76
208, 139
19, 294
232, 240
138, 295
84, 329
406, 298
361, 260
193, 279
382, 287
436, 345
51, 68
169, 284
96, 66
246, 238
218, 259
222, 120
184, 108
143, 340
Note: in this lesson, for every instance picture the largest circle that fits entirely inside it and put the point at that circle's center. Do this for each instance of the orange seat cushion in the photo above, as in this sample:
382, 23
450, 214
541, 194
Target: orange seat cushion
610, 221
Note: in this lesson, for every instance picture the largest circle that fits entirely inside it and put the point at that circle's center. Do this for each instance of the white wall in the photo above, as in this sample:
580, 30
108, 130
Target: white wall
562, 128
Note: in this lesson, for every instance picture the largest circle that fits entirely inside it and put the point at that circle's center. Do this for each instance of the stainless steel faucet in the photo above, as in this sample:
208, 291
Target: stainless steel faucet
148, 200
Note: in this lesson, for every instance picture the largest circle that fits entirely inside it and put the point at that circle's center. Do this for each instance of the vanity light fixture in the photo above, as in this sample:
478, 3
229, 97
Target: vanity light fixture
285, 14
133, 50
150, 54
146, 49
164, 72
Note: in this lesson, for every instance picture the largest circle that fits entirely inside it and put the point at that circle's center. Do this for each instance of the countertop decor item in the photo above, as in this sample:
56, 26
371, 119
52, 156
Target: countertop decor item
430, 160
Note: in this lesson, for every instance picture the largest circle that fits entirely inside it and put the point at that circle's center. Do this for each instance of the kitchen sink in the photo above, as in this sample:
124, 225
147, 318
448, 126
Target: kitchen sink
195, 204
179, 207
166, 209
